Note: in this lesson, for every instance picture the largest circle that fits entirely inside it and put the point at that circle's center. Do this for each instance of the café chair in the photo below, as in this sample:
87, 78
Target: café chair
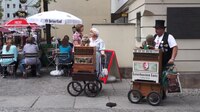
66, 66
50, 57
11, 67
29, 67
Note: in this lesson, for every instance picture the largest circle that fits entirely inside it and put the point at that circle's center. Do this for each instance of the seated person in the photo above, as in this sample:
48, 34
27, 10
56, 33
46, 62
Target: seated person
30, 47
65, 47
9, 48
1, 46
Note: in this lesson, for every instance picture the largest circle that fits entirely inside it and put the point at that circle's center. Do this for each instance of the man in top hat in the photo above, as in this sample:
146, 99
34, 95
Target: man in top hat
166, 42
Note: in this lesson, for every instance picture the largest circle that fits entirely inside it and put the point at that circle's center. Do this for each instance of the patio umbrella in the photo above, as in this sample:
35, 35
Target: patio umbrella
56, 18
4, 30
19, 23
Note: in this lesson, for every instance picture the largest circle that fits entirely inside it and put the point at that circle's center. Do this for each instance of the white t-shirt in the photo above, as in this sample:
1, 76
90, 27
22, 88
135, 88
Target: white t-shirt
171, 41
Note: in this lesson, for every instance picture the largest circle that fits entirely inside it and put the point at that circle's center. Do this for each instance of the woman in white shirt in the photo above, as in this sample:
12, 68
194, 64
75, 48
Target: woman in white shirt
96, 41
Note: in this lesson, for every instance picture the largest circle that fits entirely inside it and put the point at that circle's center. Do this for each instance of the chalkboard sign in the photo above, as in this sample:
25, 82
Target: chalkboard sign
111, 64
184, 22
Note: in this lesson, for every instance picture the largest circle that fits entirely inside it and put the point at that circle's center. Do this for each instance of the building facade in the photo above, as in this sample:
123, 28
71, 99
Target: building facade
90, 11
143, 14
10, 7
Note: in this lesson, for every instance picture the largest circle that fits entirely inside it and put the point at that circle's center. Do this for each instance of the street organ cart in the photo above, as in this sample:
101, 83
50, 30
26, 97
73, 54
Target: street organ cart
147, 70
84, 75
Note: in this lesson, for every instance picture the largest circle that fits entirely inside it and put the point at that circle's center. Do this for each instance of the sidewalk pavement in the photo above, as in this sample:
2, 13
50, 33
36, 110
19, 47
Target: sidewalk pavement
49, 94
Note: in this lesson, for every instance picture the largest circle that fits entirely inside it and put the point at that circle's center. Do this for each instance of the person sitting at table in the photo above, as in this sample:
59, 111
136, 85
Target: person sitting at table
30, 47
65, 47
1, 46
9, 48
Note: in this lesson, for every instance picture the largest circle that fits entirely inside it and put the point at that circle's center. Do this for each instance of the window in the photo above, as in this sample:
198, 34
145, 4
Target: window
26, 7
8, 5
8, 15
20, 6
138, 16
184, 22
14, 15
14, 6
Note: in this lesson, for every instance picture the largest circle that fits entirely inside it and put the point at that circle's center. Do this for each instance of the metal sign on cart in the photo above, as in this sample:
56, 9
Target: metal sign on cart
145, 70
146, 65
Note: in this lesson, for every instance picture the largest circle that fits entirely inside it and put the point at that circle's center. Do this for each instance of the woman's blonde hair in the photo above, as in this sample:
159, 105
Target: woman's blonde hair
95, 31
29, 40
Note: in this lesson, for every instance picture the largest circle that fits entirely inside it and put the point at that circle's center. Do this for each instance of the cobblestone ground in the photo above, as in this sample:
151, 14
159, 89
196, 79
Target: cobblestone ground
43, 89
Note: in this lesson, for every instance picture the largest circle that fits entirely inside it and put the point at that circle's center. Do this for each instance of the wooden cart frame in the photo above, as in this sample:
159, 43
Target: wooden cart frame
143, 84
84, 75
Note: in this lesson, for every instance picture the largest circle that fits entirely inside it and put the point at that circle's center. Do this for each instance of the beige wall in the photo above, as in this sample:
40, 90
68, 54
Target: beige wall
188, 56
120, 38
90, 11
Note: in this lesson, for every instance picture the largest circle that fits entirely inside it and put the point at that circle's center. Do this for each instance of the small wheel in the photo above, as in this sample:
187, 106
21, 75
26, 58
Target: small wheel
91, 89
99, 84
74, 88
134, 96
154, 98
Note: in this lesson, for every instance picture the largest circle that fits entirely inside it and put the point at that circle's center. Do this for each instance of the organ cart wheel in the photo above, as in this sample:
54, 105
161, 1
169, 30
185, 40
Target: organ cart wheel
91, 89
154, 98
134, 96
74, 88
99, 84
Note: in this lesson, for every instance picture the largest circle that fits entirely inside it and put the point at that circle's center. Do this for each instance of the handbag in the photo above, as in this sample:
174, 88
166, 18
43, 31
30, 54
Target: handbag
104, 71
173, 80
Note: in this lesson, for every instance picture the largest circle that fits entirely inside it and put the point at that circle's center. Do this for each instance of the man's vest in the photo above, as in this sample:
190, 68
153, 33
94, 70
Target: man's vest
167, 51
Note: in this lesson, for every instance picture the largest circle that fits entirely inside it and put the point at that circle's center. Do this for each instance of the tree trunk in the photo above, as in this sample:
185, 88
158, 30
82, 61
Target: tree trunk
48, 26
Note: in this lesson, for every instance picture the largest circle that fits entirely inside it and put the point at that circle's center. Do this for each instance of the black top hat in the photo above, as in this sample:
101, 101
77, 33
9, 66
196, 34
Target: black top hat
160, 24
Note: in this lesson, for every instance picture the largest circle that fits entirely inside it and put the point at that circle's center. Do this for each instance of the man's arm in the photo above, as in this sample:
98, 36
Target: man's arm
174, 54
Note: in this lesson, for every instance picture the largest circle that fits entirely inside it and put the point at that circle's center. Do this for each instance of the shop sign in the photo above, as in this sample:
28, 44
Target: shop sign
23, 1
21, 14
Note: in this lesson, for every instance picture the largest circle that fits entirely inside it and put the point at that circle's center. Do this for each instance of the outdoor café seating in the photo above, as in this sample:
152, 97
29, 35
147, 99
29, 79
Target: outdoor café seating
66, 66
29, 67
50, 54
11, 67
